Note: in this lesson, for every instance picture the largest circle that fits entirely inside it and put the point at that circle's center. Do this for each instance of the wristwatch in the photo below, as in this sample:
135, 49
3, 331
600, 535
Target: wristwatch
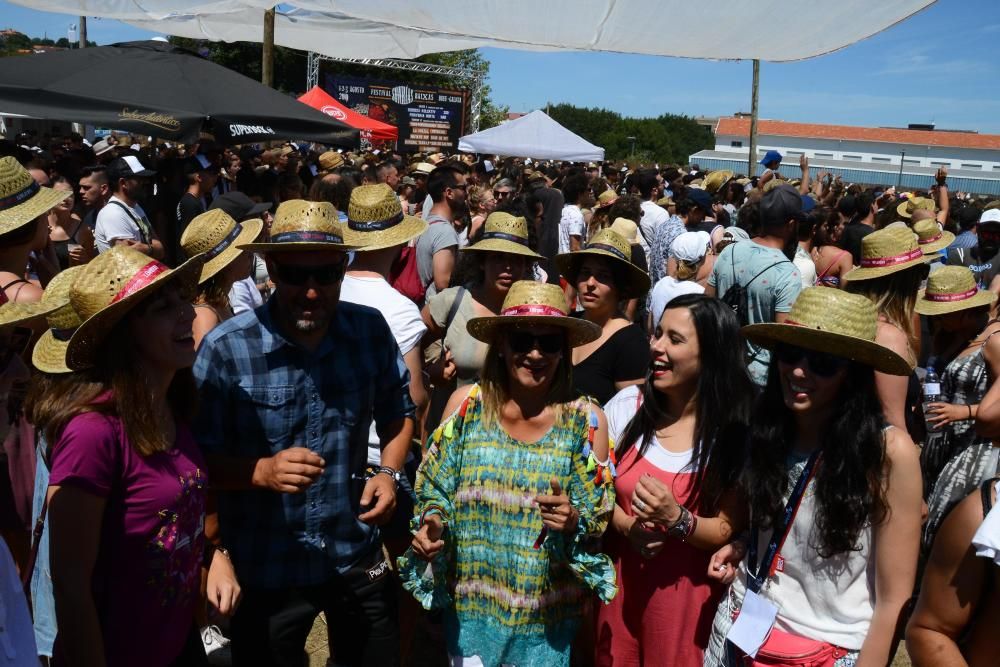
391, 472
684, 526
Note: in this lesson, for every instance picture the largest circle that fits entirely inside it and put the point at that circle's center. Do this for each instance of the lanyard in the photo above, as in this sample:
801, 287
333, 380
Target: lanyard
765, 569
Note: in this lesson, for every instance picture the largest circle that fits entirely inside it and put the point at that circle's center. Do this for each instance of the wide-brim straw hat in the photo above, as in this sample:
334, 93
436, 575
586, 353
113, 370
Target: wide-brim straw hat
502, 232
930, 237
110, 286
830, 320
627, 229
715, 180
608, 244
906, 208
49, 355
218, 236
21, 198
887, 251
529, 303
375, 219
13, 314
423, 168
950, 289
330, 160
606, 198
301, 226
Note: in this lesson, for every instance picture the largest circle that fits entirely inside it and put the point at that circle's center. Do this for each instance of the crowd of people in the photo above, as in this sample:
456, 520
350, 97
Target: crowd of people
483, 411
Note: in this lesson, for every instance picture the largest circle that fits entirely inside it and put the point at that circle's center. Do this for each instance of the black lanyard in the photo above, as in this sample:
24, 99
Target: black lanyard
766, 566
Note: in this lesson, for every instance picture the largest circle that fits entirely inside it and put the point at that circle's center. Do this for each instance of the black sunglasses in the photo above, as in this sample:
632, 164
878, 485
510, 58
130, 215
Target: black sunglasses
324, 275
522, 342
500, 195
822, 364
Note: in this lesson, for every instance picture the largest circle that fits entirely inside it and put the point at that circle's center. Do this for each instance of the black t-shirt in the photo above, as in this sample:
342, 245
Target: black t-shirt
624, 356
851, 239
985, 270
188, 208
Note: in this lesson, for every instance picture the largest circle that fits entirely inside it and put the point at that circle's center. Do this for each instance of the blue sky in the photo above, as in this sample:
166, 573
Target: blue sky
939, 66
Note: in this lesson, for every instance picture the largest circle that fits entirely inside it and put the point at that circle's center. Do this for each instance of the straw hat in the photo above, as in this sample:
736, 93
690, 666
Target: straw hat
887, 251
665, 201
930, 237
950, 289
606, 198
532, 303
21, 198
13, 314
301, 225
49, 355
330, 160
112, 284
714, 181
773, 183
626, 229
423, 168
375, 219
502, 232
609, 244
906, 208
825, 319
216, 234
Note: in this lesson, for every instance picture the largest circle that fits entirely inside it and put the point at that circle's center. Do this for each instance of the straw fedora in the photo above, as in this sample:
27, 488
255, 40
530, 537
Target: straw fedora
49, 355
330, 160
421, 168
930, 237
831, 320
665, 202
626, 229
950, 289
502, 232
12, 314
906, 208
112, 284
21, 198
715, 180
606, 198
375, 219
216, 234
609, 244
301, 225
887, 251
532, 303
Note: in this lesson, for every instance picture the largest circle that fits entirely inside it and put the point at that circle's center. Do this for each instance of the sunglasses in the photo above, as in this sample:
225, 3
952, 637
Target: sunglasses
822, 364
500, 195
298, 276
522, 342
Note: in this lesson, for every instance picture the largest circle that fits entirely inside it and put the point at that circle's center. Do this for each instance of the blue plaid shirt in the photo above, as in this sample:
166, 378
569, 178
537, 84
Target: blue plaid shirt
966, 239
261, 394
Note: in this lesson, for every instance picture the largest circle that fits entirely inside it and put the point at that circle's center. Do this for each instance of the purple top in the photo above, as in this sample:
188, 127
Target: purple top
147, 573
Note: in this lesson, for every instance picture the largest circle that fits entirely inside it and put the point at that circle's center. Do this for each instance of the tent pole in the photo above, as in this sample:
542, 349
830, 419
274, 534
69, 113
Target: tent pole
267, 64
752, 155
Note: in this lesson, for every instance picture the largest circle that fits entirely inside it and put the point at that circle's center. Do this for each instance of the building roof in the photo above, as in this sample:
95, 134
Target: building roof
741, 127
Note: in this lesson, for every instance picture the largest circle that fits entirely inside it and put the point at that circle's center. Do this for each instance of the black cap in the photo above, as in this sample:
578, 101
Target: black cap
199, 162
701, 199
238, 206
125, 167
780, 205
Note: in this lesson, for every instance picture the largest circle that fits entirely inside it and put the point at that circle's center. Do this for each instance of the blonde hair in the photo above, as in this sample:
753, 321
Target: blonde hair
895, 296
688, 270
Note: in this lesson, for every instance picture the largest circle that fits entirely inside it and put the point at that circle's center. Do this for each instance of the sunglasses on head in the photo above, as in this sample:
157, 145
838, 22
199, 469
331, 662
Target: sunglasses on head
523, 342
324, 275
820, 363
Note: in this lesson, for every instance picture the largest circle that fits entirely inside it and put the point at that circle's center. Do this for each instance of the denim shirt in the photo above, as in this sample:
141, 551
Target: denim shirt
261, 394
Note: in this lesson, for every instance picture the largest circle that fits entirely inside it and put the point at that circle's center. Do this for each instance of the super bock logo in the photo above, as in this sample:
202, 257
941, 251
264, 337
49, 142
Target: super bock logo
241, 130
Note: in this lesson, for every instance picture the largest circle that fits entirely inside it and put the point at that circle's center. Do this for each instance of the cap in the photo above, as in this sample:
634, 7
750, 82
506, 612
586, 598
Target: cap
701, 199
690, 247
779, 205
238, 206
992, 215
199, 162
130, 166
770, 156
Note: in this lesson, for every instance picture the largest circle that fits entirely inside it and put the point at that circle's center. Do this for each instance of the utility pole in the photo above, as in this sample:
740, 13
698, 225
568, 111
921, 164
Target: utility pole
267, 62
752, 156
899, 179
631, 141
83, 32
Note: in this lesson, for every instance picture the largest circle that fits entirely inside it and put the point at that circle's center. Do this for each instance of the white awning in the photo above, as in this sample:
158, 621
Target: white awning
534, 135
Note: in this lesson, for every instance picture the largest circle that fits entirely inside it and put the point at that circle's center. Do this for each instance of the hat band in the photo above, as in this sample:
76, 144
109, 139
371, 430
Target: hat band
375, 225
306, 237
144, 277
224, 243
930, 240
953, 296
21, 196
533, 309
608, 248
873, 262
504, 236
62, 335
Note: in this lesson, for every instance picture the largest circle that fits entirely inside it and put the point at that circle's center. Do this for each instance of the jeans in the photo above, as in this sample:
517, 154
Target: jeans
42, 601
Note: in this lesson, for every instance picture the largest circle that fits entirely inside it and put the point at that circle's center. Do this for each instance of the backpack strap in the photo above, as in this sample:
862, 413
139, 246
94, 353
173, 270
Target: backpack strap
986, 494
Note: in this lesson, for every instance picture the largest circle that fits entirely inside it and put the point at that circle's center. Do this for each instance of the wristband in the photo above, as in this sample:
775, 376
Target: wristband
970, 412
209, 554
684, 526
391, 472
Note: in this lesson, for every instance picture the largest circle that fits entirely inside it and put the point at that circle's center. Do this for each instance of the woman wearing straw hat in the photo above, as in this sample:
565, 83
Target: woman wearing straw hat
833, 493
679, 446
126, 498
932, 241
508, 495
635, 311
218, 236
892, 268
954, 459
503, 257
604, 276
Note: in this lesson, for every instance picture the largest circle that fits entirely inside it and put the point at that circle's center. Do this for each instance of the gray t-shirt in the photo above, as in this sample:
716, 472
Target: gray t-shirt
440, 234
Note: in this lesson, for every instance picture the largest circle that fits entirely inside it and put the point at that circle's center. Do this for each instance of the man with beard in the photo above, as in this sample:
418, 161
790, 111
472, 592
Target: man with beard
122, 221
95, 191
761, 269
288, 392
438, 246
983, 259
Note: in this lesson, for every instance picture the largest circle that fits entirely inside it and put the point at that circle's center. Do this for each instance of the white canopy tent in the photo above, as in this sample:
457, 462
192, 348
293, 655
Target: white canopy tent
727, 29
534, 135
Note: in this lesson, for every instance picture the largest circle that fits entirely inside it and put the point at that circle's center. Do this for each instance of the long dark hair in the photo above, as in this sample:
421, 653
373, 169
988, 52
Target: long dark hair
724, 395
849, 487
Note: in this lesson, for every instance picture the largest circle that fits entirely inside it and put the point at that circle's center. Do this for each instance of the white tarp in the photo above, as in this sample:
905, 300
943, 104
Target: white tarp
771, 30
534, 135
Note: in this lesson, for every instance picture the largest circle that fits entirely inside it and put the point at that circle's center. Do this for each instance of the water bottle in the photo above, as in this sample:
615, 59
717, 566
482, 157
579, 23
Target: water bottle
932, 394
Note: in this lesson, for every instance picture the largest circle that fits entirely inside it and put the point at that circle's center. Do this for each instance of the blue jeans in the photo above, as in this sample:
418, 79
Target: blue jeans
42, 600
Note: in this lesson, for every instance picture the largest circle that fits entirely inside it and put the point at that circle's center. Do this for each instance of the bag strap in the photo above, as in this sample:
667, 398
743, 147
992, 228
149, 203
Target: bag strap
143, 225
986, 493
450, 317
784, 261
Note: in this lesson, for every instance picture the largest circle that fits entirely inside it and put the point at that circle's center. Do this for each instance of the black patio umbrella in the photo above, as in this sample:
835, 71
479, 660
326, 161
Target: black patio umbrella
157, 89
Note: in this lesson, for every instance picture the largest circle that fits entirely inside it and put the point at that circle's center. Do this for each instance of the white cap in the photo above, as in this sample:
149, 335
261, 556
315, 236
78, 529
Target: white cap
992, 215
690, 247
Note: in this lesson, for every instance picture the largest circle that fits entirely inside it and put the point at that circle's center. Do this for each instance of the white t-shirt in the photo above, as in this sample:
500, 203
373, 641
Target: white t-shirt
652, 217
114, 223
665, 290
244, 296
807, 268
402, 316
620, 410
571, 224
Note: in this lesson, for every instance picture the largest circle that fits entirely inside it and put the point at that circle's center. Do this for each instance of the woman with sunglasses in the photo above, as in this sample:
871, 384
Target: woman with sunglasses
508, 504
605, 278
834, 498
679, 446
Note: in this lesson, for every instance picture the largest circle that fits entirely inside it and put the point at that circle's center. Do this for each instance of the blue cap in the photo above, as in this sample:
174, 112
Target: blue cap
808, 203
769, 157
701, 199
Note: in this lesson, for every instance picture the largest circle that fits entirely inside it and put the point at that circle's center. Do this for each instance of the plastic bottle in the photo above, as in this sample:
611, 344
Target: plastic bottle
932, 394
